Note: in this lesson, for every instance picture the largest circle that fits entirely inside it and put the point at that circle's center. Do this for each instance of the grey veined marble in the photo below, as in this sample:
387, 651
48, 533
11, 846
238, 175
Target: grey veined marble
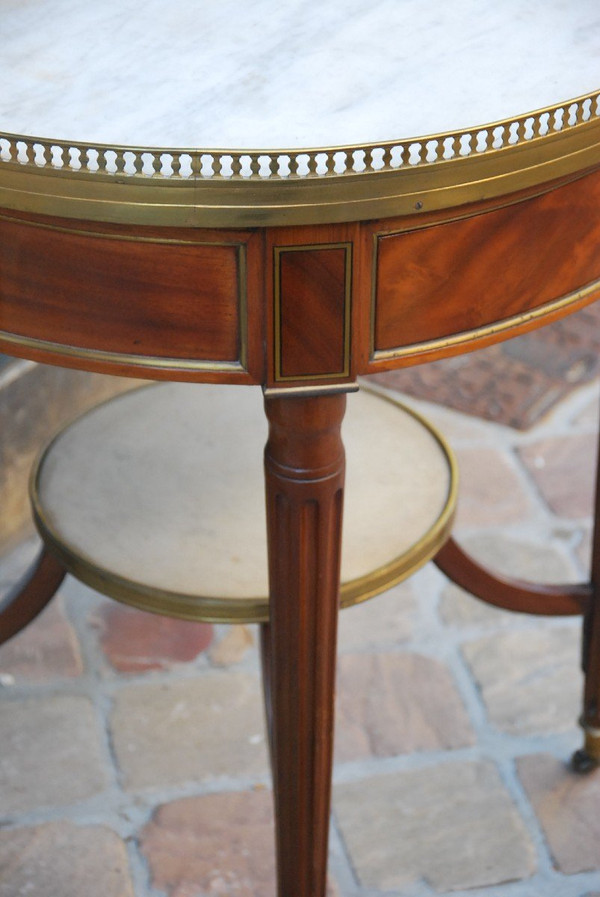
286, 73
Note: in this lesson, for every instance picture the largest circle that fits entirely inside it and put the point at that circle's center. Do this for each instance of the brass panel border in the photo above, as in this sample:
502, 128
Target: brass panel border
489, 331
277, 187
311, 390
398, 229
138, 363
212, 609
278, 251
146, 362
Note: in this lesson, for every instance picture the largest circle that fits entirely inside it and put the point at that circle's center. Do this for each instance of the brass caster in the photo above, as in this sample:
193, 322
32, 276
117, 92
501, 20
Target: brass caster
583, 763
587, 758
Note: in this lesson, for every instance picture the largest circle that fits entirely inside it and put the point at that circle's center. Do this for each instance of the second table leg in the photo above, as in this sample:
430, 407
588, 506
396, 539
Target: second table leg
304, 471
589, 757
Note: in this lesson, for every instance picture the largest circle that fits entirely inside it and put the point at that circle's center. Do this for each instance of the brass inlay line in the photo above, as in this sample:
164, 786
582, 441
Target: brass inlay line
578, 296
243, 323
277, 322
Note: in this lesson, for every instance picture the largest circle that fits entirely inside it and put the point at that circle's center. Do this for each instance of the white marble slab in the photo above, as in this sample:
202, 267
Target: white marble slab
277, 73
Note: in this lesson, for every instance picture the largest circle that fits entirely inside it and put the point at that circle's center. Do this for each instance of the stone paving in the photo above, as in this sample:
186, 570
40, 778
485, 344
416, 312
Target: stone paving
134, 762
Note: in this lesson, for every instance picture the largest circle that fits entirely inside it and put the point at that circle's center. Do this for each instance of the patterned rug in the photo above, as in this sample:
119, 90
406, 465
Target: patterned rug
514, 383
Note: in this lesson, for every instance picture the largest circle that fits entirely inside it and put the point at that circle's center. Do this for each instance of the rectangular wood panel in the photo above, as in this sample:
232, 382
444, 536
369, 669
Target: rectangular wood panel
150, 297
464, 275
312, 312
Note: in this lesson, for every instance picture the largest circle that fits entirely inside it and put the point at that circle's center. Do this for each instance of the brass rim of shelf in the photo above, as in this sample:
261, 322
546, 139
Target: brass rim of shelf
256, 188
213, 609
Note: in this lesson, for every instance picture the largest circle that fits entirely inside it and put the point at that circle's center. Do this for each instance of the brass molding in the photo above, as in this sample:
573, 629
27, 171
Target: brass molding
578, 297
140, 364
321, 389
248, 610
252, 188
243, 322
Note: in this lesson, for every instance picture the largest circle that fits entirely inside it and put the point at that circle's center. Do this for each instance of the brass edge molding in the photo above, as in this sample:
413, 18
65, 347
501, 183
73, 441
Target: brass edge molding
139, 363
321, 389
278, 251
577, 297
397, 178
400, 568
128, 592
125, 237
144, 597
407, 225
255, 609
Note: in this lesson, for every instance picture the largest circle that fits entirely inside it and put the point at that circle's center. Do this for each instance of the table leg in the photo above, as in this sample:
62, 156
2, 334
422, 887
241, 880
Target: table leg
589, 757
304, 470
30, 596
265, 658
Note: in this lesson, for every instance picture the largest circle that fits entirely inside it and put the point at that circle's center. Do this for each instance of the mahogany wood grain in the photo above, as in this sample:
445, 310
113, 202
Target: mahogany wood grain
210, 295
507, 592
29, 597
264, 630
96, 291
304, 468
462, 275
311, 282
143, 292
312, 294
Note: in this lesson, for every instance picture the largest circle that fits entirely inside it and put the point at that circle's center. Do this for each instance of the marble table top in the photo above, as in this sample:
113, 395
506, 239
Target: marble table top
292, 73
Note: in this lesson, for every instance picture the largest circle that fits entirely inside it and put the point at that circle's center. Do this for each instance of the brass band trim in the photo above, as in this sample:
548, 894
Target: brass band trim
248, 610
237, 188
139, 363
314, 389
414, 350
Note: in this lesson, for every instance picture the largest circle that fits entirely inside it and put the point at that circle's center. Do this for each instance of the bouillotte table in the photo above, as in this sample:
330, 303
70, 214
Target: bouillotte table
354, 249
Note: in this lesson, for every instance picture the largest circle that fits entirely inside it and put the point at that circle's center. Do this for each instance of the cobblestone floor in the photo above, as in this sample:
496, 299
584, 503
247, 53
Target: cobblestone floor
133, 757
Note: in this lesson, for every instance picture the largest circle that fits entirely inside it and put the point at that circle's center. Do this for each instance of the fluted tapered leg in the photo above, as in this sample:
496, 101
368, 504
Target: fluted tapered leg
589, 757
304, 470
